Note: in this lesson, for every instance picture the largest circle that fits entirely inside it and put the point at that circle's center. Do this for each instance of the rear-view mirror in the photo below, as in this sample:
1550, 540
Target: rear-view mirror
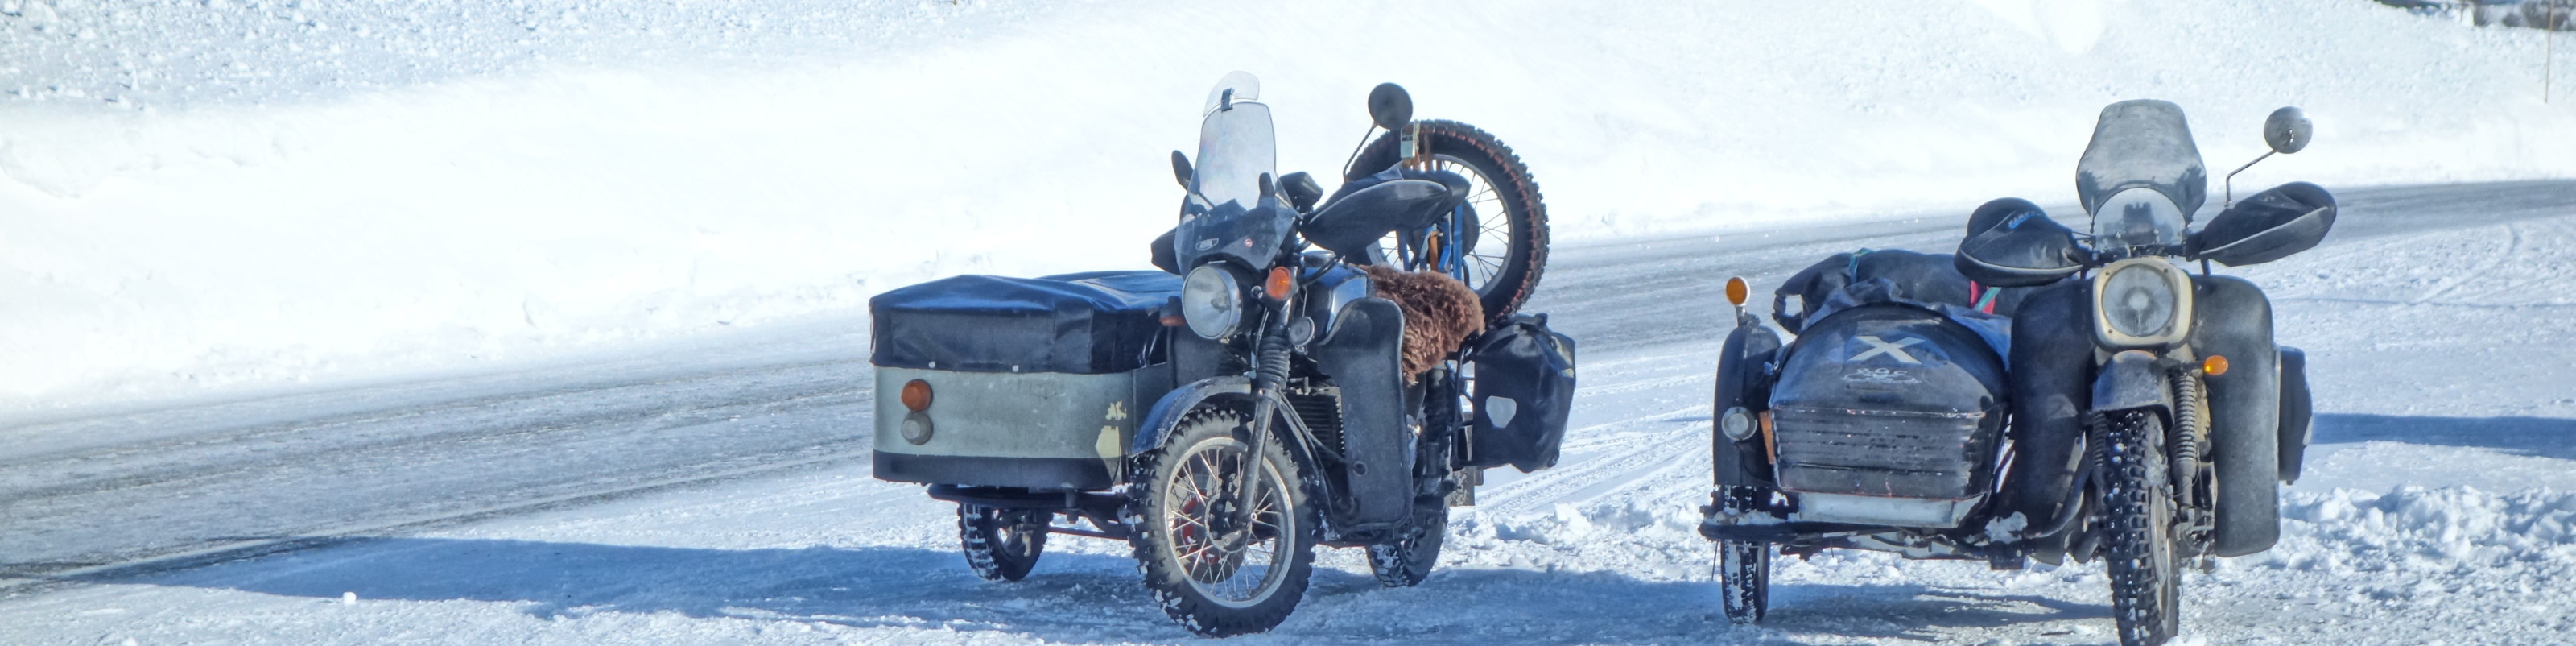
2286, 130
2267, 226
1390, 106
1181, 168
2013, 243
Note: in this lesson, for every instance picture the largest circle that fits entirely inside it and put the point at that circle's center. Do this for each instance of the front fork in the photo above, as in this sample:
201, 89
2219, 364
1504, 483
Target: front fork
2135, 379
1269, 374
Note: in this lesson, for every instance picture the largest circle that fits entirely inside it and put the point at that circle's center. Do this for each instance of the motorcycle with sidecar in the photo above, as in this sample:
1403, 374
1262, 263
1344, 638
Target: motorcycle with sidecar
2122, 407
1300, 370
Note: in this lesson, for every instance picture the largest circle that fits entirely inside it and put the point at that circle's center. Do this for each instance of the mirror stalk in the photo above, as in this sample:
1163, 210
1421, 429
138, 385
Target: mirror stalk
2230, 183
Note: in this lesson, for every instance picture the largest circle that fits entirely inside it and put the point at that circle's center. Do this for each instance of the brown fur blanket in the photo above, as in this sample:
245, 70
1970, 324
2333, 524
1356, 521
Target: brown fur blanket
1439, 313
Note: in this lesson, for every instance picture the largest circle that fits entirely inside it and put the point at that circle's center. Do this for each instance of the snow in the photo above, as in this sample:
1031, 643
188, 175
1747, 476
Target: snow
2439, 503
620, 252
197, 196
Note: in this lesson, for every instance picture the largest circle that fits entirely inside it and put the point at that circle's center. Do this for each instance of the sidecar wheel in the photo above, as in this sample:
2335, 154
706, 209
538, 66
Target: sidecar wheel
1744, 580
1507, 246
1001, 545
2138, 530
1216, 580
1407, 561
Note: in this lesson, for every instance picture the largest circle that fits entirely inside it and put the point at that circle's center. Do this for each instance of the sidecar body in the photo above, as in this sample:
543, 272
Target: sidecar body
1884, 418
1026, 383
1889, 414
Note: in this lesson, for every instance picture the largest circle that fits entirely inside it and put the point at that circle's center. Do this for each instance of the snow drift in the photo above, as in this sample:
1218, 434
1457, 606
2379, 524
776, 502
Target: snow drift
236, 193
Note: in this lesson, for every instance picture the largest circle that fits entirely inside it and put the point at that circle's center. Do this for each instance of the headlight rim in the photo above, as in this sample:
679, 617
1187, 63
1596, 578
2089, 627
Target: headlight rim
2178, 284
1197, 310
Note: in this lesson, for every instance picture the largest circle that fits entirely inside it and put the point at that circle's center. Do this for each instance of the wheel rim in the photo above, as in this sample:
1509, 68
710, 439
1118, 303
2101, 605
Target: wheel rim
1235, 568
1493, 247
1016, 539
1492, 251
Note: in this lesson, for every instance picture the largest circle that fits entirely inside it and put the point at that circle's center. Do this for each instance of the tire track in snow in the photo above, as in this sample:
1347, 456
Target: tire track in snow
1611, 465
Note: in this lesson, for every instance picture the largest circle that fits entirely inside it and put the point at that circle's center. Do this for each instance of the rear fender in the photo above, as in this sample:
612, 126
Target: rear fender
2130, 381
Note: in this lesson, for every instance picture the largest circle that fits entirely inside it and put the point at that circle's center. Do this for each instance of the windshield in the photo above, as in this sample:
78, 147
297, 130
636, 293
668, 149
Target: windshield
2142, 144
1227, 216
1235, 148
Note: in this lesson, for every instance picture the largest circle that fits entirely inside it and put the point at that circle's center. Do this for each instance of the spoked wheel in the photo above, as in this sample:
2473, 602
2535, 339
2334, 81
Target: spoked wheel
1001, 544
1213, 573
1506, 247
1407, 561
2138, 533
1744, 580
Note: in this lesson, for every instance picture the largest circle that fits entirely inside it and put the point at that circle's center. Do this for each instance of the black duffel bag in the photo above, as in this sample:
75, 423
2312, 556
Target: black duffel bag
1524, 388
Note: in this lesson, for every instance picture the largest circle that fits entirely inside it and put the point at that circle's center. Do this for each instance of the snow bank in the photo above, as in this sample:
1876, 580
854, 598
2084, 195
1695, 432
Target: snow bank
2415, 528
244, 192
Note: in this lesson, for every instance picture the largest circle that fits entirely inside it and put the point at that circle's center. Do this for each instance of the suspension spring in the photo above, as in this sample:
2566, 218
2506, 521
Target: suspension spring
2189, 428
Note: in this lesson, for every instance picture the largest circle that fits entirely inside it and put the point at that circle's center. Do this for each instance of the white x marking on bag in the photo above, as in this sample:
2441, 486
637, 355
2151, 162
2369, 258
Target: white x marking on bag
1894, 350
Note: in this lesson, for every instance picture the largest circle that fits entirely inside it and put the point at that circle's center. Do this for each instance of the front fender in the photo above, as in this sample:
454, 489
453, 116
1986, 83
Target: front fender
1741, 381
2130, 381
1167, 412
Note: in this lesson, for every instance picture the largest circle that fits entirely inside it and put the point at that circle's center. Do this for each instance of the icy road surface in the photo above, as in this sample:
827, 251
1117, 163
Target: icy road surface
717, 490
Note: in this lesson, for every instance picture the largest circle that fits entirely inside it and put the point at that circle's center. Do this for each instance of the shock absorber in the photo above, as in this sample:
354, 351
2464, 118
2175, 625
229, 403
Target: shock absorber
2183, 454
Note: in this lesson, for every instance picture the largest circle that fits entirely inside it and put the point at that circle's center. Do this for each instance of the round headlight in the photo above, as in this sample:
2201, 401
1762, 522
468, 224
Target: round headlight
1212, 301
1737, 423
2138, 301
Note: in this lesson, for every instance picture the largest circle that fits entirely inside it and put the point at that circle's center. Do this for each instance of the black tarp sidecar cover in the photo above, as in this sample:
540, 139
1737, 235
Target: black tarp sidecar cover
1887, 396
1086, 323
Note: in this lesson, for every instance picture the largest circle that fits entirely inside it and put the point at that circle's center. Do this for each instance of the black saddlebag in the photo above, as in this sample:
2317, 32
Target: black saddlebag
1889, 400
1524, 388
1088, 323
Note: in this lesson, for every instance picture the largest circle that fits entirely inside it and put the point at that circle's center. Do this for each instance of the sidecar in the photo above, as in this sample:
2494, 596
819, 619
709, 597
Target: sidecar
1885, 414
1019, 384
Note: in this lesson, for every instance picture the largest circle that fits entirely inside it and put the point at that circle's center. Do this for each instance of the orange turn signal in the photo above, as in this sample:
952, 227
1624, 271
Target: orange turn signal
1280, 280
916, 395
1737, 291
2215, 365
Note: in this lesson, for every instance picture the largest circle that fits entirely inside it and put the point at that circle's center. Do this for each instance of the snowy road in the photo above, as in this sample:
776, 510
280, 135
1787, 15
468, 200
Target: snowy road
716, 490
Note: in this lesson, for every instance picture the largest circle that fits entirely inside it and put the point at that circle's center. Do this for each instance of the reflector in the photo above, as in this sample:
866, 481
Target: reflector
916, 395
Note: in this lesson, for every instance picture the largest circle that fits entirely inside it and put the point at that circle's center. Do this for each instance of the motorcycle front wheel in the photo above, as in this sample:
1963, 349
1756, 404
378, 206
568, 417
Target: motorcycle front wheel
1217, 575
1507, 246
1001, 545
2138, 530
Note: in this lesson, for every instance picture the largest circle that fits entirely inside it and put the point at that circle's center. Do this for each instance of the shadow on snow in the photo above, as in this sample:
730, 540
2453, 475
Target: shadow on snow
1083, 597
2532, 436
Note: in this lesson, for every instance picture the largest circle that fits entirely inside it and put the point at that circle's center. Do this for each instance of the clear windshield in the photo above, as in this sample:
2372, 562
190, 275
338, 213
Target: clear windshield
2142, 144
1235, 148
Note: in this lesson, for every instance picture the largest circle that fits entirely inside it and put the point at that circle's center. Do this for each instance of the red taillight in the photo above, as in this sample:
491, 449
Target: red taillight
916, 395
